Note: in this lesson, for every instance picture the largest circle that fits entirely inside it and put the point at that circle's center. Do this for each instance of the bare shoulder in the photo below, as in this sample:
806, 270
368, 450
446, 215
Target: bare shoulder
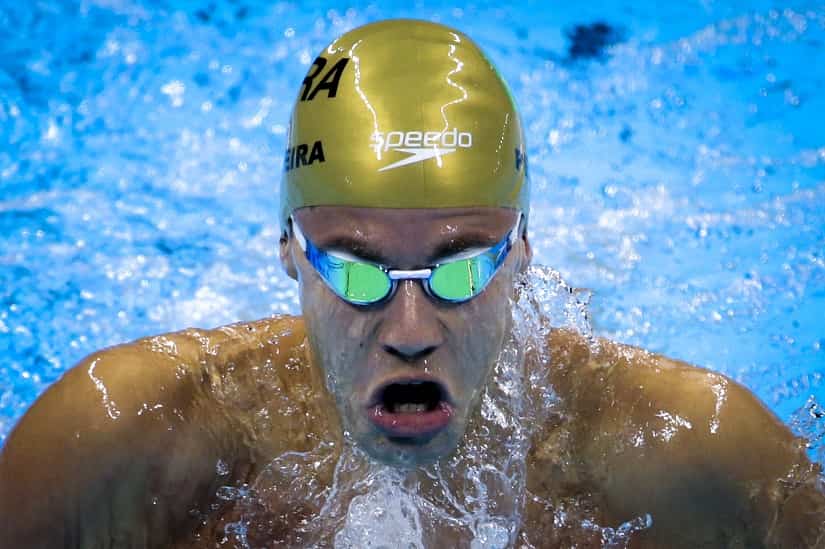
690, 447
132, 434
154, 376
673, 407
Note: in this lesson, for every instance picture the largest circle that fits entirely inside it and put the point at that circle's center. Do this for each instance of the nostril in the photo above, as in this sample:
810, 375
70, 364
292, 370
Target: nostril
410, 353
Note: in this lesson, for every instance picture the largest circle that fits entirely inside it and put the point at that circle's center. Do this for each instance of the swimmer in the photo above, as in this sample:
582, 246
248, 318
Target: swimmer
404, 209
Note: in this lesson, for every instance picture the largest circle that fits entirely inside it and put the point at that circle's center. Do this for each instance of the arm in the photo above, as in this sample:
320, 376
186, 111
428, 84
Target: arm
122, 451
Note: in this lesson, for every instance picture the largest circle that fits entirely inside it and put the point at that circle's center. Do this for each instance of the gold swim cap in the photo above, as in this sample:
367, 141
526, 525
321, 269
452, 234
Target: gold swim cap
404, 114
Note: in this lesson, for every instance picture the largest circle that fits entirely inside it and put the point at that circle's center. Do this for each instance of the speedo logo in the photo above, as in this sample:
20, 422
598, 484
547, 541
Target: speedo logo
419, 146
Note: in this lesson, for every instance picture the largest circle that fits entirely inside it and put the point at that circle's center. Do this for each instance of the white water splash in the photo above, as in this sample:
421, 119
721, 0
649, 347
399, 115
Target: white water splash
809, 422
475, 497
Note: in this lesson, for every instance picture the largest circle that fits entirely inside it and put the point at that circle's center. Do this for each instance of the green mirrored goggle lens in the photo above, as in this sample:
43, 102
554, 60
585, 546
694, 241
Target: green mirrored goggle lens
360, 283
462, 280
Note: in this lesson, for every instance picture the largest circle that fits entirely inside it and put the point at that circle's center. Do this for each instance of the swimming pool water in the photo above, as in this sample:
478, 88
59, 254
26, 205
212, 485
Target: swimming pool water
677, 153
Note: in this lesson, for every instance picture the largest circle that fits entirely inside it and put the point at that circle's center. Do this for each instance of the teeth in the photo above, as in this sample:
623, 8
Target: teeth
409, 408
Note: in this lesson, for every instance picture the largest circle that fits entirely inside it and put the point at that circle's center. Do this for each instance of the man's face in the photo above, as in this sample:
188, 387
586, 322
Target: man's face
406, 373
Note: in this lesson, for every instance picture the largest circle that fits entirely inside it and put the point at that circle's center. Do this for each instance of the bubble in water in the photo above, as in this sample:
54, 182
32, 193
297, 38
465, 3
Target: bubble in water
222, 468
490, 535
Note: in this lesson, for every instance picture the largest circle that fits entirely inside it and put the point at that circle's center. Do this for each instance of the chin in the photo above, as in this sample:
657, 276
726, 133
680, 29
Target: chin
407, 453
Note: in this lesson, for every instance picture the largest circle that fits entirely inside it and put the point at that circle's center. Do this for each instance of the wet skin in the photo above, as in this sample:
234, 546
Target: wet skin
412, 336
122, 451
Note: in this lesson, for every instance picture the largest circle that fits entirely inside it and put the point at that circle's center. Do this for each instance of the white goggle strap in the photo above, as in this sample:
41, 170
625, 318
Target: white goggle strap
514, 236
299, 235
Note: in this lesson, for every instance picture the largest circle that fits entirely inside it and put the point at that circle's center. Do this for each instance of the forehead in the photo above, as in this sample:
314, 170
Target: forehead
386, 222
405, 233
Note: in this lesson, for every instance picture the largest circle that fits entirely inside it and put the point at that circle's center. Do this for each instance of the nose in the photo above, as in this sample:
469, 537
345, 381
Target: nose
411, 329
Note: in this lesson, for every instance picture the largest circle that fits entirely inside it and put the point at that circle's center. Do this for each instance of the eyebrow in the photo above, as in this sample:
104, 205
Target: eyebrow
463, 242
352, 245
365, 250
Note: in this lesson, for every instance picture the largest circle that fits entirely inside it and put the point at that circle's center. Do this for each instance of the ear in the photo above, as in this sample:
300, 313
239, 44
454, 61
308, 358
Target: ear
287, 262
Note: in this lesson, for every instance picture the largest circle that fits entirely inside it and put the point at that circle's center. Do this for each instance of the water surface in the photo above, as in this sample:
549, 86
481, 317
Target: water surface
677, 153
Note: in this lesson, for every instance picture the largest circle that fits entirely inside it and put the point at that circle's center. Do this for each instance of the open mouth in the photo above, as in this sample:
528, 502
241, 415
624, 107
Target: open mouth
411, 411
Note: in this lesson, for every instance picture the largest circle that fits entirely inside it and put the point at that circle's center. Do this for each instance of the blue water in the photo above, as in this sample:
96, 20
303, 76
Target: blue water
679, 171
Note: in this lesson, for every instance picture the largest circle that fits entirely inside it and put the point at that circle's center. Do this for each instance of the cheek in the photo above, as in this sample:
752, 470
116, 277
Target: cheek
482, 323
322, 317
335, 330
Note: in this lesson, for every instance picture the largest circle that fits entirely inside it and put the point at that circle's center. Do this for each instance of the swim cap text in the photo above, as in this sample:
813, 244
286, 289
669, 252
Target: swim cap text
302, 155
392, 140
329, 81
419, 145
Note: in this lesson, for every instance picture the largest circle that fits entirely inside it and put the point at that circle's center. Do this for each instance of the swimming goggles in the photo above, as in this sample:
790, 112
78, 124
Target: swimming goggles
462, 277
